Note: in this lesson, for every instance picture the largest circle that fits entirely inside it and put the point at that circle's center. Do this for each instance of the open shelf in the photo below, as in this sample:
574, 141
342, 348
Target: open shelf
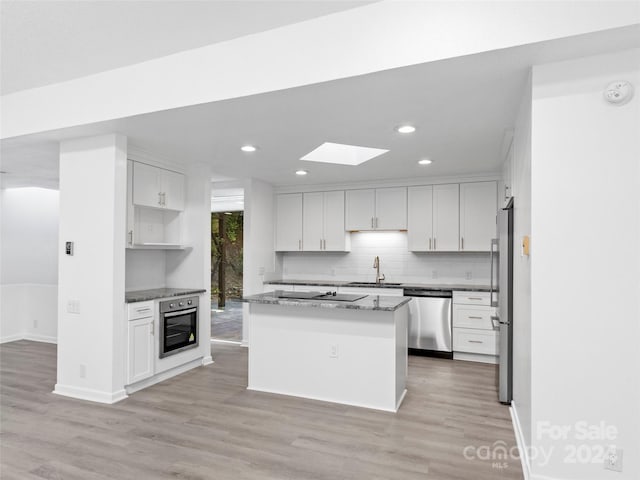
157, 246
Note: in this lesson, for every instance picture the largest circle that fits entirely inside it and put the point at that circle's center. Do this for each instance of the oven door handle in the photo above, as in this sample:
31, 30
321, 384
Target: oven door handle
181, 312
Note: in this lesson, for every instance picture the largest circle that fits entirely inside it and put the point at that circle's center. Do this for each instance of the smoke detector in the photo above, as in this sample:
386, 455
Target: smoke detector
619, 92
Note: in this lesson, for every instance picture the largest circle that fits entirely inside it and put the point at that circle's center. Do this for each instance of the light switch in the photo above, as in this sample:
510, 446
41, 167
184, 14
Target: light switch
68, 248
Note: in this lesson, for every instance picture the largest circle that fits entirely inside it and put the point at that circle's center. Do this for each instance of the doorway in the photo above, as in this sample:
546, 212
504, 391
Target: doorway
226, 276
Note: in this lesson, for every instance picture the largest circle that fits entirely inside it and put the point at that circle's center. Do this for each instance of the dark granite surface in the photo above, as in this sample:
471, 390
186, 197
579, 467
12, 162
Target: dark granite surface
155, 293
425, 286
370, 302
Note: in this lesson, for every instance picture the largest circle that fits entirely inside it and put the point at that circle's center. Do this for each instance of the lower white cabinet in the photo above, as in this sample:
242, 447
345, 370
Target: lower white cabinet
474, 336
140, 343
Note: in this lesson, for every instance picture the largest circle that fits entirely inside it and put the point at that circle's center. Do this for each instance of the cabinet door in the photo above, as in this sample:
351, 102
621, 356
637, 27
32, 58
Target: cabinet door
446, 218
173, 190
420, 219
391, 208
289, 222
140, 350
360, 209
335, 237
478, 206
312, 221
146, 185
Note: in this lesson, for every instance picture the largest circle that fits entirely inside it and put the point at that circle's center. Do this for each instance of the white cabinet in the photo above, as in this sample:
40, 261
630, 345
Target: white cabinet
289, 222
153, 226
140, 342
157, 188
323, 222
433, 221
376, 209
478, 207
474, 336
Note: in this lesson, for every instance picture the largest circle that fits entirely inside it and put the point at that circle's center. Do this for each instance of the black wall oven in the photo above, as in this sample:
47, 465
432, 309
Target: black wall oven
178, 325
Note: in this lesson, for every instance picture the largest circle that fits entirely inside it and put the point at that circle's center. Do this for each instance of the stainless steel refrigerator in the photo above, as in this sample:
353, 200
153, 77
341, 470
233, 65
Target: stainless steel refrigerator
502, 298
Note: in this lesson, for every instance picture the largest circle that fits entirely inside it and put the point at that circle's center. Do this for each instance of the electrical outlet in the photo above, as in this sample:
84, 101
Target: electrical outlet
333, 350
73, 306
83, 370
467, 275
613, 459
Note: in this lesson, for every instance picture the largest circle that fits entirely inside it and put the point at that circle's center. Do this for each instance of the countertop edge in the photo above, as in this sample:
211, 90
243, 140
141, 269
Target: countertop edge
398, 302
147, 295
342, 283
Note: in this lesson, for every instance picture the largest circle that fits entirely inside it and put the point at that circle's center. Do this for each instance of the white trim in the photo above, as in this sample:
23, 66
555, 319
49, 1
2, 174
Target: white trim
401, 182
12, 338
522, 446
244, 343
89, 394
162, 376
208, 360
40, 338
220, 340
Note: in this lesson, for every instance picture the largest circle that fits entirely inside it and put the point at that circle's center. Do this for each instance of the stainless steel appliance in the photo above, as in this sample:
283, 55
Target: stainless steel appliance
430, 322
502, 298
178, 325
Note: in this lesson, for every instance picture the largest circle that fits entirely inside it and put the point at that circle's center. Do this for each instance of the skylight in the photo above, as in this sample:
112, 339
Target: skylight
342, 154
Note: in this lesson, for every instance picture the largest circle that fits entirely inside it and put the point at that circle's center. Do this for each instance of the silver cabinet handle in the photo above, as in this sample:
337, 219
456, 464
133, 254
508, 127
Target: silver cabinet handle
299, 244
141, 310
371, 222
476, 341
429, 243
434, 243
477, 318
159, 198
494, 242
474, 298
376, 222
324, 244
164, 198
320, 244
461, 243
130, 237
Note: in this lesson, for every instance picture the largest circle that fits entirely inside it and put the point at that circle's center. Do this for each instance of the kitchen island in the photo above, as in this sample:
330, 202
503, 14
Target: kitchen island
350, 351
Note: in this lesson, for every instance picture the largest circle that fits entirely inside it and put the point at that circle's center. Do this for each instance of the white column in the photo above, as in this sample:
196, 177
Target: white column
91, 308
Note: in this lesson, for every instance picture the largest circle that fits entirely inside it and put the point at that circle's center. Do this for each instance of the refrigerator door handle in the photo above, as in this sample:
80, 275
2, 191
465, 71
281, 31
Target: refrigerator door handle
495, 321
494, 242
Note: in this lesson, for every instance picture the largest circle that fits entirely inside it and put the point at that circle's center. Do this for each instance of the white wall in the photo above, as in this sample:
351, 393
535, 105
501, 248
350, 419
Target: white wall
519, 181
391, 34
29, 267
585, 261
91, 346
259, 259
396, 262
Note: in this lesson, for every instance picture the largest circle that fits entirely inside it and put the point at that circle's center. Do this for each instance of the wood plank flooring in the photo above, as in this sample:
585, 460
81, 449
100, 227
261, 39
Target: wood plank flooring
204, 424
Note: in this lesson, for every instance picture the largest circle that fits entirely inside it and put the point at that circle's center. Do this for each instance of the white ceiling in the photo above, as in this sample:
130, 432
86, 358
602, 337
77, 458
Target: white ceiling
461, 108
43, 42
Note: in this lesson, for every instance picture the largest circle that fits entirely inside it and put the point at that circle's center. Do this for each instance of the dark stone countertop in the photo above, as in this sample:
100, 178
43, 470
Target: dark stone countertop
424, 286
370, 302
156, 293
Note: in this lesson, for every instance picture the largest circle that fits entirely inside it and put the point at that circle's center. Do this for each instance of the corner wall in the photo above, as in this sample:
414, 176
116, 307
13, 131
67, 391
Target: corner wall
29, 267
585, 266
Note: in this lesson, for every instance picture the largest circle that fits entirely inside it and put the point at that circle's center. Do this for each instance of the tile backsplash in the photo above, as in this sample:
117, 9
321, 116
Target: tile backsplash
396, 262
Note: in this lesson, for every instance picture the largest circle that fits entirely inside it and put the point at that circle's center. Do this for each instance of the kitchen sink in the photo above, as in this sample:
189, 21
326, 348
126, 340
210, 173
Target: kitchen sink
373, 284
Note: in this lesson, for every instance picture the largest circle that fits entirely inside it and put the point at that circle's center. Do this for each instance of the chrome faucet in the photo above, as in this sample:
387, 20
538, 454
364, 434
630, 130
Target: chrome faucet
376, 265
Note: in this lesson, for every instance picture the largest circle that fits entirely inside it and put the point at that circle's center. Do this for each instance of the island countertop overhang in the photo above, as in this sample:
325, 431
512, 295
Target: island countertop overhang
385, 303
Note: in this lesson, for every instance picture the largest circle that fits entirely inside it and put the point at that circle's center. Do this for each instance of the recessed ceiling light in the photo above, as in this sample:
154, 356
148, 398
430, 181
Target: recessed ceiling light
406, 129
248, 148
424, 161
301, 172
342, 154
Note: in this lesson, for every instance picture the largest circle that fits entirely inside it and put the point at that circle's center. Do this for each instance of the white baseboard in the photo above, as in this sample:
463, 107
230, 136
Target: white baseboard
523, 448
89, 394
162, 376
28, 336
12, 338
475, 357
207, 360
40, 338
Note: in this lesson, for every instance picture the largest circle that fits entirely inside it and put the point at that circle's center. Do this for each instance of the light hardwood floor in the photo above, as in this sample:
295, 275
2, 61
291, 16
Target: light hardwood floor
204, 424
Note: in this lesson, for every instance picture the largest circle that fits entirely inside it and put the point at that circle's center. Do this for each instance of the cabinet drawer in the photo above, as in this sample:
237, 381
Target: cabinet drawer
473, 316
471, 298
475, 341
140, 310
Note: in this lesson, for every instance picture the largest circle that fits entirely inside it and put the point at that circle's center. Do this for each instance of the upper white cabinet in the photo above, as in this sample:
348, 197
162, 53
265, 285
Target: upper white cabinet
289, 222
478, 206
323, 222
158, 188
433, 218
376, 209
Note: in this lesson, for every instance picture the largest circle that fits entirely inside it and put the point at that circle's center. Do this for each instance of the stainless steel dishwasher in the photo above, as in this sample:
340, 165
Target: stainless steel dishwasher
430, 322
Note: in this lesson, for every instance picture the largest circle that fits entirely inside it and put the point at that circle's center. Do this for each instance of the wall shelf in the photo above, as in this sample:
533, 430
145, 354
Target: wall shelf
157, 246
